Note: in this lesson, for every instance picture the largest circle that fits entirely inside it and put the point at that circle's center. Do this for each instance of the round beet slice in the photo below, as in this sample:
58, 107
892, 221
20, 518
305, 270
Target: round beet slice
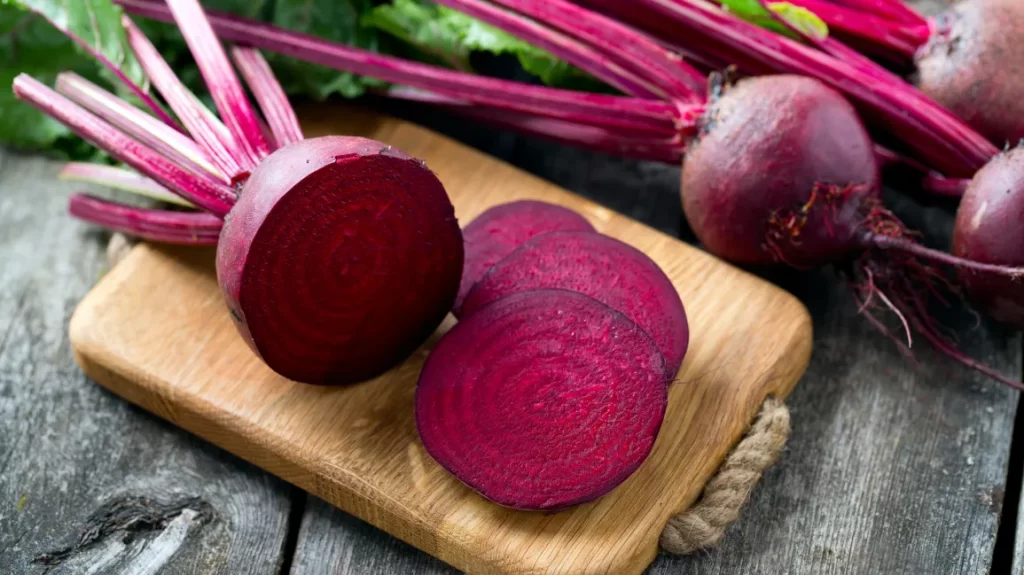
616, 274
498, 231
544, 399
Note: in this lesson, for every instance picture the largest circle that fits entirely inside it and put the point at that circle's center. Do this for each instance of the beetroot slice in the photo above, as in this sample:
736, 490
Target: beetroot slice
498, 231
544, 399
340, 258
616, 274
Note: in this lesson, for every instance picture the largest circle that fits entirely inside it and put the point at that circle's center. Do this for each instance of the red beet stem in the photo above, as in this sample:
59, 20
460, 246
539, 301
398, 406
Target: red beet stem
588, 108
884, 37
887, 242
667, 149
932, 133
221, 81
602, 66
674, 79
208, 195
158, 136
139, 93
268, 92
167, 226
895, 10
119, 179
208, 131
938, 185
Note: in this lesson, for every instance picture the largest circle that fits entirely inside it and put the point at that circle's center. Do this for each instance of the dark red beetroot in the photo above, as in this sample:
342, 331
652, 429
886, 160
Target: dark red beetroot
542, 400
616, 274
990, 228
501, 229
339, 259
973, 65
761, 186
772, 153
338, 256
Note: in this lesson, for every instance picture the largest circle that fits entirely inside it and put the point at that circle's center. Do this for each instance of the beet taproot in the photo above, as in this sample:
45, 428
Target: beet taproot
499, 230
542, 400
800, 187
337, 255
608, 270
341, 256
770, 152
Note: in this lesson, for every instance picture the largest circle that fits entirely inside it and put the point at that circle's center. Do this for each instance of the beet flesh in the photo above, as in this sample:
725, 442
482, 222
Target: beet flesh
973, 65
341, 256
990, 229
498, 231
542, 400
781, 171
612, 272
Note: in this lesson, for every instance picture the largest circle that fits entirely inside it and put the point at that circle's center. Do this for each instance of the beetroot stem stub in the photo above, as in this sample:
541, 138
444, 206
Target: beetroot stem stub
542, 400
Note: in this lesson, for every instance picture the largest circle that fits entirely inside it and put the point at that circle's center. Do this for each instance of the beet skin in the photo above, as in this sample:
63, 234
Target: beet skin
973, 65
990, 229
503, 228
612, 272
781, 172
542, 400
341, 256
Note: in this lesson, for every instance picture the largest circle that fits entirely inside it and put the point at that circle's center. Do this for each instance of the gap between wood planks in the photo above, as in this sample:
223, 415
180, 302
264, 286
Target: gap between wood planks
291, 541
1005, 551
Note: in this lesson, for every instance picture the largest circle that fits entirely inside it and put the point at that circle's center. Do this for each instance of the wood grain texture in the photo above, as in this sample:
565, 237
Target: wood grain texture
155, 331
69, 448
332, 541
890, 470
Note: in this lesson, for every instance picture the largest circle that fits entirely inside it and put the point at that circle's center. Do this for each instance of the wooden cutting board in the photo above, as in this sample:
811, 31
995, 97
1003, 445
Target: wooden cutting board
155, 331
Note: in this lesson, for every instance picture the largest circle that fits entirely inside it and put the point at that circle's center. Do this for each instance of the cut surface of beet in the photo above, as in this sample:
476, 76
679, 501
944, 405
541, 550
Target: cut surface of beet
498, 231
541, 400
612, 272
341, 256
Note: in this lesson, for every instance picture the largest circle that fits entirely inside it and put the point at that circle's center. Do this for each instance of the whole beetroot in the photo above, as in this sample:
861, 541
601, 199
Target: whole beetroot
990, 228
973, 64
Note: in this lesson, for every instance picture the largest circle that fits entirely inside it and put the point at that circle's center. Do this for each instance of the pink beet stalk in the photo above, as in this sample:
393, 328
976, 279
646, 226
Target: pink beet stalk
680, 81
134, 88
592, 109
188, 228
137, 124
269, 94
895, 10
212, 197
119, 179
225, 88
207, 130
665, 83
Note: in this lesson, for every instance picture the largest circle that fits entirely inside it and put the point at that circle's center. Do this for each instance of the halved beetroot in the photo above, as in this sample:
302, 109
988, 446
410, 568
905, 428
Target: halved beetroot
541, 400
616, 274
498, 231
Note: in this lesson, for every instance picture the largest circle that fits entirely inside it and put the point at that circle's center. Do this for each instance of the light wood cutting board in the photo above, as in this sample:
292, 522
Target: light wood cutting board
155, 331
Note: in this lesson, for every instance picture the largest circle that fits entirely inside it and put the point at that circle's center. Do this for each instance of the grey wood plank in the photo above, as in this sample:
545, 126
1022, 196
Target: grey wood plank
333, 542
79, 464
891, 468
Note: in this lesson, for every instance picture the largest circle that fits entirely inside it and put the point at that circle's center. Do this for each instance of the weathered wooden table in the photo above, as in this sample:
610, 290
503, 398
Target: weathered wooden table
891, 468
